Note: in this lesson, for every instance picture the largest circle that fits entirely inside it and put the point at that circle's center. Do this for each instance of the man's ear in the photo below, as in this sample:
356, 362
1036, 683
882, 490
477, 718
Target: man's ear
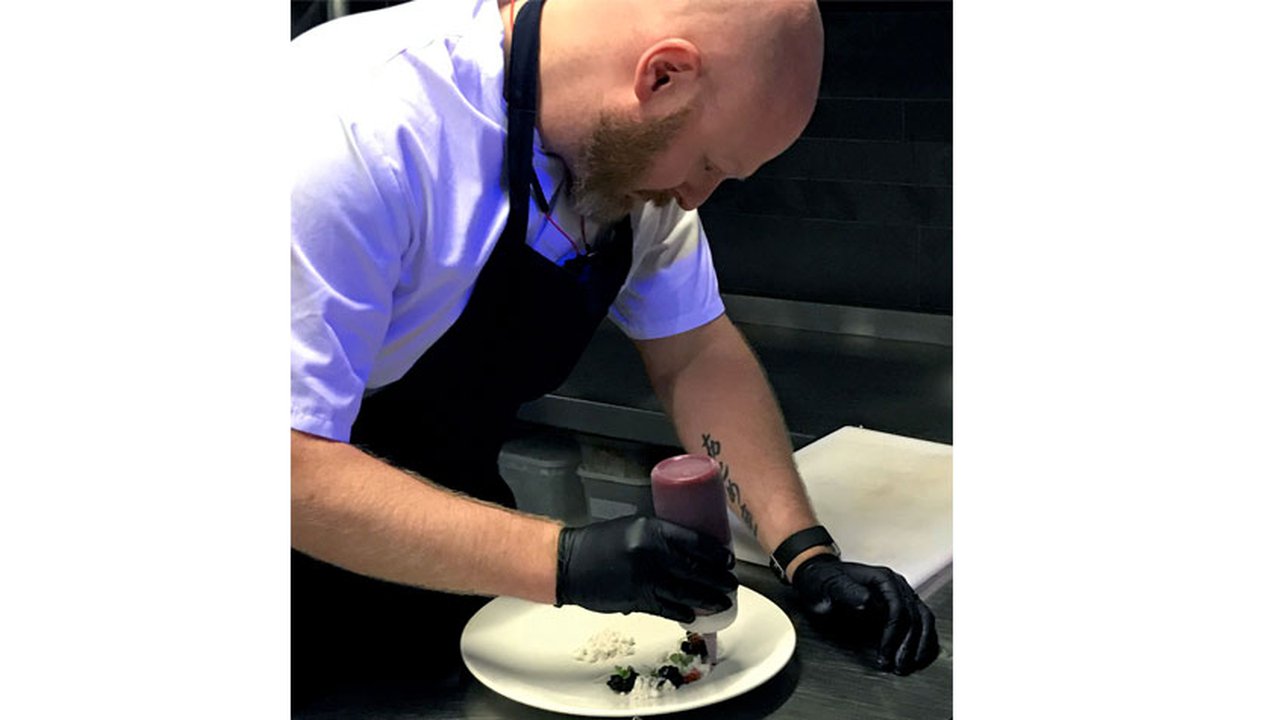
669, 67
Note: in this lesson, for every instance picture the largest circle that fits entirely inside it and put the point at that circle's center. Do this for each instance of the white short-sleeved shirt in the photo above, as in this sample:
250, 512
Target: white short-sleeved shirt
398, 202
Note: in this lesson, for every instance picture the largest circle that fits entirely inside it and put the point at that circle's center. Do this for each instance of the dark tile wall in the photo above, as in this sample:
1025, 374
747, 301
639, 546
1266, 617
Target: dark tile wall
858, 211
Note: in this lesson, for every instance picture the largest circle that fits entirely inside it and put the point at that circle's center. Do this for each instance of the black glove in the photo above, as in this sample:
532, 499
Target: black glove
643, 564
871, 608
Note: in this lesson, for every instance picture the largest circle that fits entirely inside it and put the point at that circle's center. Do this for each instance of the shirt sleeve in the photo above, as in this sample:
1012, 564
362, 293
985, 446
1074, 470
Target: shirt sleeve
350, 230
672, 287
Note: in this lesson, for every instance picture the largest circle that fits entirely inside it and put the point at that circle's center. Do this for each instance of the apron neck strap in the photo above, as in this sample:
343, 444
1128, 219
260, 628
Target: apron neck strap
521, 90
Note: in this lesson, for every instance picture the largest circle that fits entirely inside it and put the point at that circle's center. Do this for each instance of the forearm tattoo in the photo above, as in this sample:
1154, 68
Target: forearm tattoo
712, 446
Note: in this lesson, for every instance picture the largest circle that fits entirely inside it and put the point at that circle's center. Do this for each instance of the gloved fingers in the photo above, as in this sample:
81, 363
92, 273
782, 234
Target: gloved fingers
672, 609
897, 622
920, 648
686, 572
927, 650
696, 559
846, 592
703, 548
875, 609
836, 598
903, 660
694, 596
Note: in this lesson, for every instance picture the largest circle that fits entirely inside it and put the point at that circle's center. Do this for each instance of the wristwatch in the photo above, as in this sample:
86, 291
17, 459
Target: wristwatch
788, 549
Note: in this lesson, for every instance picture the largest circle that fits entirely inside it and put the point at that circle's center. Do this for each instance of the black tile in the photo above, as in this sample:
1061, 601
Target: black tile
856, 119
896, 162
935, 270
815, 260
900, 50
851, 201
818, 159
931, 163
928, 120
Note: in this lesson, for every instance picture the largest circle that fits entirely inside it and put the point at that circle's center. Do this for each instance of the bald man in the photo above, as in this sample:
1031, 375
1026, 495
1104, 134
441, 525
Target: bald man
479, 184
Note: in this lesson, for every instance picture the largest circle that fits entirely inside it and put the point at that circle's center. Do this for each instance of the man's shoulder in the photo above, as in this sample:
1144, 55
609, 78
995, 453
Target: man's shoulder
409, 52
367, 39
404, 72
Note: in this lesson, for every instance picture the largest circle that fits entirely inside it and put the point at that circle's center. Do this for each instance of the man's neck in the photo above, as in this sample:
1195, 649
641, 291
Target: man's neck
569, 99
508, 10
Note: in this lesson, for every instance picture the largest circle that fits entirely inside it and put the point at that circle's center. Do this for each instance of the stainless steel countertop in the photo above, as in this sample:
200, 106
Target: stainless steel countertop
822, 680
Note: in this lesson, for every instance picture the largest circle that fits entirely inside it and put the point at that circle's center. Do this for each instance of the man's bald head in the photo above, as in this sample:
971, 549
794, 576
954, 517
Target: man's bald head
771, 50
741, 76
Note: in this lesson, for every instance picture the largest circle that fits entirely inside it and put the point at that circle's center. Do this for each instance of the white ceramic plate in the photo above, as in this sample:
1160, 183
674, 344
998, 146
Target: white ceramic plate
525, 650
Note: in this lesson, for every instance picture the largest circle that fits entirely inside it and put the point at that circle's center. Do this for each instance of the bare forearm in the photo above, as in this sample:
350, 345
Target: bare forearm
359, 513
722, 405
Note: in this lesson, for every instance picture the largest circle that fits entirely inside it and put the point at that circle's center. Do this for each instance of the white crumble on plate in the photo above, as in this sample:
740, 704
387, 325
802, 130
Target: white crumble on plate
605, 645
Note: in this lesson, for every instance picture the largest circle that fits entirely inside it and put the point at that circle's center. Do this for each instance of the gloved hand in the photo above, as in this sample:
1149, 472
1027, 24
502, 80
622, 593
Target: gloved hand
643, 564
871, 608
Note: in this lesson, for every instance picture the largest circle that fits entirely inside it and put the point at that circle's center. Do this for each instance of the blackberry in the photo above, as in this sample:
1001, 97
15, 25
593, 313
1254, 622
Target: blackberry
672, 674
623, 681
694, 644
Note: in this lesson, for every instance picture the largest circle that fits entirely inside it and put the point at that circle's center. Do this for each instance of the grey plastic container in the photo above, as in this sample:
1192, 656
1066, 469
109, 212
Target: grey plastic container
615, 475
613, 495
541, 471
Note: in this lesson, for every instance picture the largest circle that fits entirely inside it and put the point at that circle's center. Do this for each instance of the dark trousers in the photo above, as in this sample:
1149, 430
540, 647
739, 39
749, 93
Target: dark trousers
349, 630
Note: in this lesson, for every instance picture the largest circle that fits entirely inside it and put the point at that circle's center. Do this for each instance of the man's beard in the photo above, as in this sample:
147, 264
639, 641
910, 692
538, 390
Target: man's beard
619, 153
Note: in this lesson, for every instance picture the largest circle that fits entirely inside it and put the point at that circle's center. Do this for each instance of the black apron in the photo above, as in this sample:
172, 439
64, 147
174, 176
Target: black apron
524, 327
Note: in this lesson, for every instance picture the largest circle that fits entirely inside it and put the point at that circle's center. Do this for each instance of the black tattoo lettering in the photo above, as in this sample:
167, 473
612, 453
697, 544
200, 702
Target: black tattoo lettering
731, 489
749, 520
711, 446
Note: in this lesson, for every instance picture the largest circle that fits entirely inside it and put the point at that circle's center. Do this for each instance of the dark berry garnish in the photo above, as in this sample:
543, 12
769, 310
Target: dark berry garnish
623, 680
694, 644
671, 674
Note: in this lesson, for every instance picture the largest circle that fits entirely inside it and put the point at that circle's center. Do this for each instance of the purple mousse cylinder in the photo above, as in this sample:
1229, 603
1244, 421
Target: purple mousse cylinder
687, 491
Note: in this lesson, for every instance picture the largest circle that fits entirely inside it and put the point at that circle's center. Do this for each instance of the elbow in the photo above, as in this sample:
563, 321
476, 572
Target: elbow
310, 458
311, 461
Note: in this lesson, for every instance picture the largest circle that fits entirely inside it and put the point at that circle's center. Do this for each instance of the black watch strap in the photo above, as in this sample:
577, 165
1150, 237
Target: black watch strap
799, 542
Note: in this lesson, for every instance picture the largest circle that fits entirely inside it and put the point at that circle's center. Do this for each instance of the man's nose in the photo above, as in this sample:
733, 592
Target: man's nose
690, 196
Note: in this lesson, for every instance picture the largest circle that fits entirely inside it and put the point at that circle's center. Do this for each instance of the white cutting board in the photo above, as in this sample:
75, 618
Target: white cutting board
885, 499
